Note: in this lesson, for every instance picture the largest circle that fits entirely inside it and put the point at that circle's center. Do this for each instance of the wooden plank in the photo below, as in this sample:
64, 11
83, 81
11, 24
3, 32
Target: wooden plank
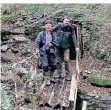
65, 100
84, 105
72, 88
50, 101
58, 104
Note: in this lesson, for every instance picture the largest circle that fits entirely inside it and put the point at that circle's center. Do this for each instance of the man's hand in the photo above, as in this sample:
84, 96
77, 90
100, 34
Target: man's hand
37, 52
77, 49
49, 45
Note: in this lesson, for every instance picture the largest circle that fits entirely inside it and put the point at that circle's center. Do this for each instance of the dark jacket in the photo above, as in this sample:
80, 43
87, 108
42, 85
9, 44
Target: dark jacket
40, 42
61, 27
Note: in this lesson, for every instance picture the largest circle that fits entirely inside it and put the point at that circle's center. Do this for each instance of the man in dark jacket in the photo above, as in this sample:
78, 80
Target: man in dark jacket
66, 44
44, 46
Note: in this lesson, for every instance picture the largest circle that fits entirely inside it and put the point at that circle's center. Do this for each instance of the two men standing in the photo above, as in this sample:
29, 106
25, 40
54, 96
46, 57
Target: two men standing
56, 46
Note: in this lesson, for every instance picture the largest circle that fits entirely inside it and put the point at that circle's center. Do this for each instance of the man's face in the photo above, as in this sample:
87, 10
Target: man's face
66, 21
48, 27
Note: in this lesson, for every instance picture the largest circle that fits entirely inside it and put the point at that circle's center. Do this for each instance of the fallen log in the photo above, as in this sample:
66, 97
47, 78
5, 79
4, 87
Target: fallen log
19, 38
8, 32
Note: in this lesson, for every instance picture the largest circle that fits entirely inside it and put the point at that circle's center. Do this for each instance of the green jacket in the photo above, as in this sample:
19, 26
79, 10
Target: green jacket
65, 37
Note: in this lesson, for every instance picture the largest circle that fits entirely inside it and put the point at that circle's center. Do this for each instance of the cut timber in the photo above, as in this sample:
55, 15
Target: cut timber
20, 38
84, 105
8, 32
73, 88
18, 30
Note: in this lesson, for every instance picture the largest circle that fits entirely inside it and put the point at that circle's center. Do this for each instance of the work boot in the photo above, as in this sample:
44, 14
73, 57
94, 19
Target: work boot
68, 77
57, 73
47, 76
48, 83
63, 73
68, 72
51, 76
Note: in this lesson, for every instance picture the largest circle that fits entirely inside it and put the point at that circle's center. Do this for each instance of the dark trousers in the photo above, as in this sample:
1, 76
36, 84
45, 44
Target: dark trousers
48, 61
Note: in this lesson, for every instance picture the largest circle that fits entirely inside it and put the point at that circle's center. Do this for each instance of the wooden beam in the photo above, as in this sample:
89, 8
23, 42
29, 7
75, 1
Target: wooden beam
73, 87
84, 105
